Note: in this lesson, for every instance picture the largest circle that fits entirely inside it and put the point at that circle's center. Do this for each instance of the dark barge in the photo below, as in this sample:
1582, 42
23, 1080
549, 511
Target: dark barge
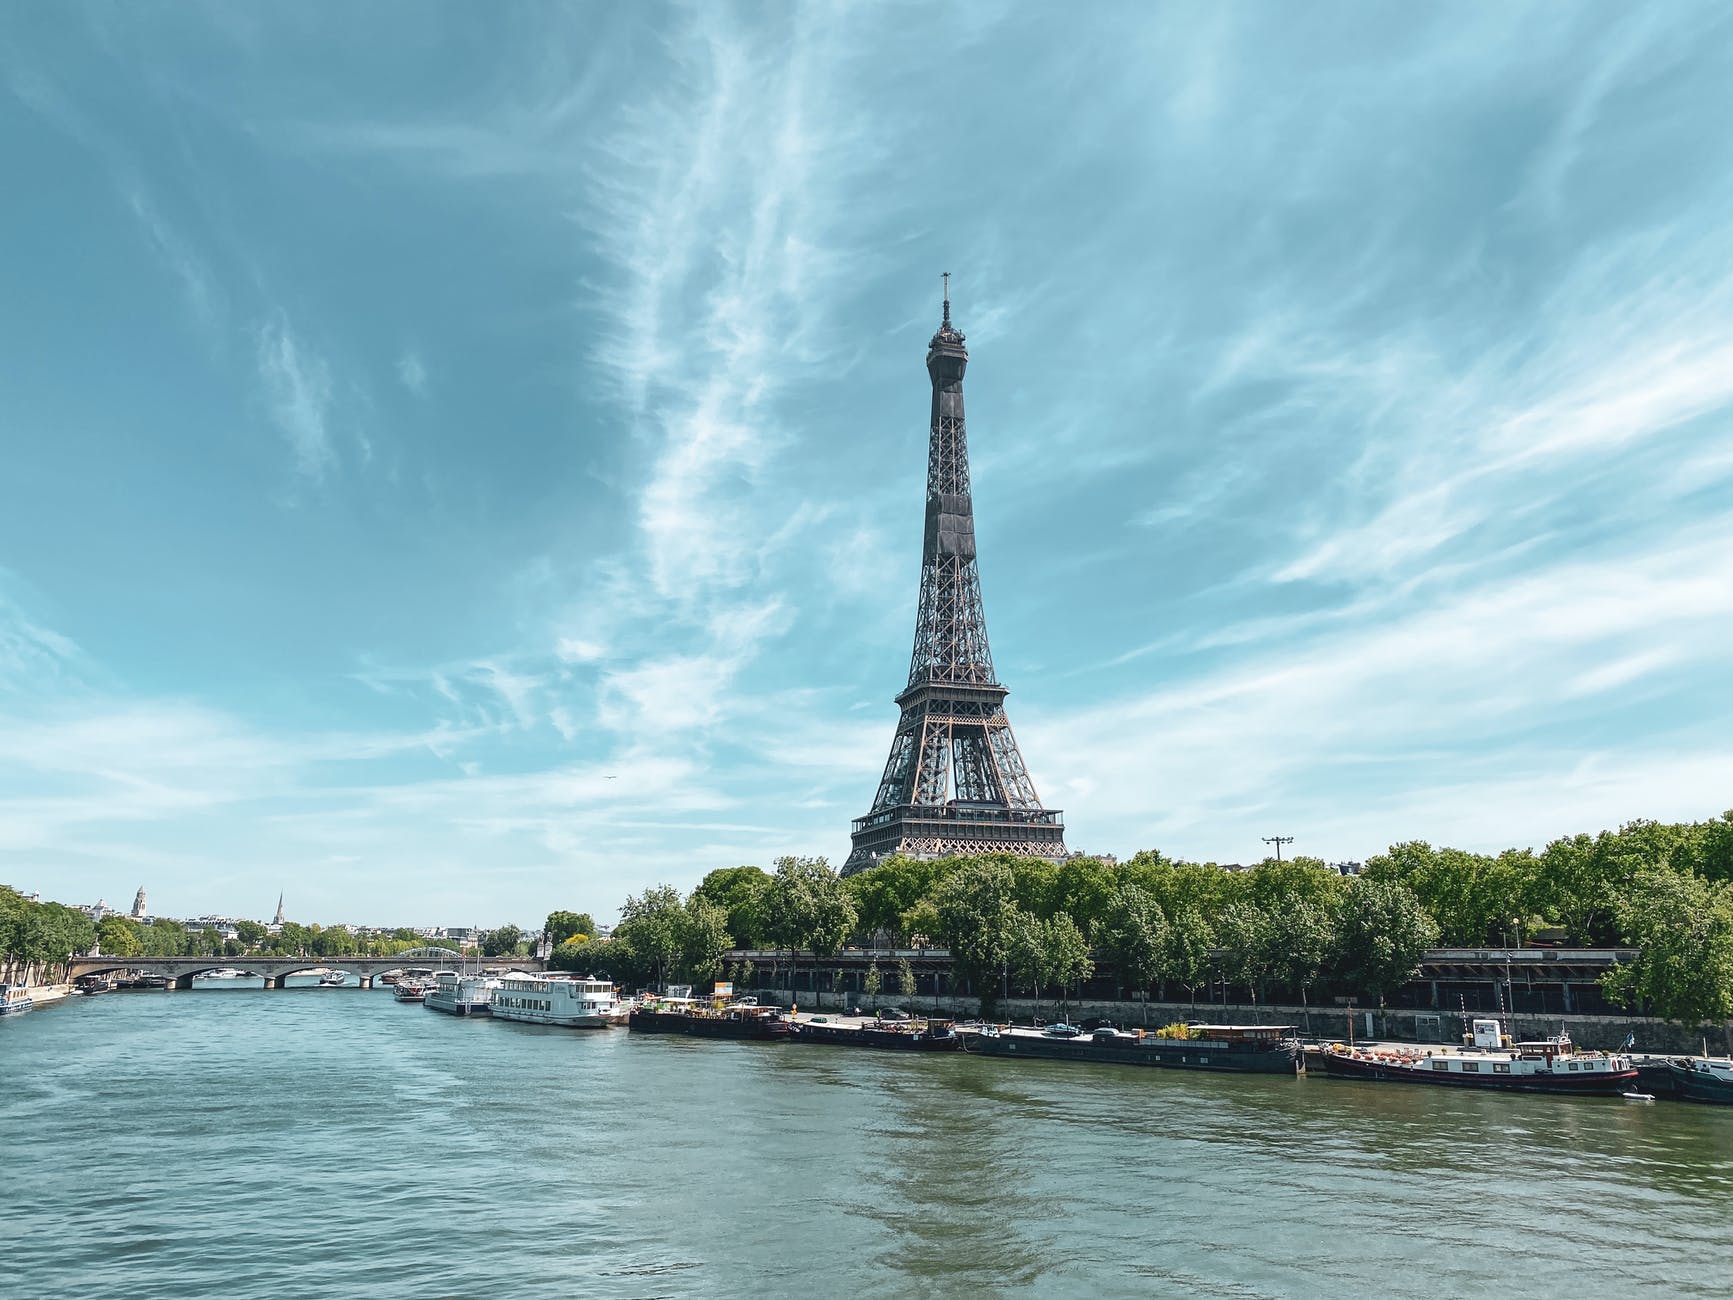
700, 1020
930, 1034
1240, 1049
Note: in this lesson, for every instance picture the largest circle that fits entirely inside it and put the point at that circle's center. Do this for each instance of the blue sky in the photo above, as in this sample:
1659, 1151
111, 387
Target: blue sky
462, 460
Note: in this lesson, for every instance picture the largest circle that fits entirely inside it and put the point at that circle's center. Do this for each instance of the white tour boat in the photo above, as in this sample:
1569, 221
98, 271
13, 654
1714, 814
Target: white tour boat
555, 1000
461, 995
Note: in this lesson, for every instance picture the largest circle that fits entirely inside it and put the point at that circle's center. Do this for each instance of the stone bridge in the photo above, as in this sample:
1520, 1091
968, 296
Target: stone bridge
274, 970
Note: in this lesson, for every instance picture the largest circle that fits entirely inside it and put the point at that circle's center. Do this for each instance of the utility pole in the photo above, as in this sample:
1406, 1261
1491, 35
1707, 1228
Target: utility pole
1278, 841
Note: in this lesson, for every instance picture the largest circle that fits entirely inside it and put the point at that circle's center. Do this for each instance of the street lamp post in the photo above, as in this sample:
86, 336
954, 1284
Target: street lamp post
1278, 841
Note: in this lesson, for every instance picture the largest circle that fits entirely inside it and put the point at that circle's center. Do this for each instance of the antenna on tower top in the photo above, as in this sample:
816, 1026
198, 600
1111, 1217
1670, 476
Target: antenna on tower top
947, 279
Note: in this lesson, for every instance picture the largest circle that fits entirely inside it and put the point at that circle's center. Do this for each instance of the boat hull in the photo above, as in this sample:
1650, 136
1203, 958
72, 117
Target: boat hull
751, 1028
1609, 1084
454, 1006
560, 1020
1697, 1085
1161, 1053
890, 1040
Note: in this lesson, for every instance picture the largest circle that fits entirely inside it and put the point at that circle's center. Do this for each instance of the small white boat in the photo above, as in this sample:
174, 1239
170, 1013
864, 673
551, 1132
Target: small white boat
334, 979
221, 973
14, 998
1638, 1096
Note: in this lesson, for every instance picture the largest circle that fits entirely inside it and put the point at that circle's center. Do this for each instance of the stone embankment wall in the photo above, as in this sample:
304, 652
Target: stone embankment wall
1327, 1023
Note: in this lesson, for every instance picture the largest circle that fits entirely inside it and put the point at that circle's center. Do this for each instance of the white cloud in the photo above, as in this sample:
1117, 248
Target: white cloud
1378, 714
298, 387
412, 372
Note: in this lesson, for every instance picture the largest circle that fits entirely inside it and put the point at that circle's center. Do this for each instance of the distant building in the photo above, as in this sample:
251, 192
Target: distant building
278, 921
139, 910
97, 911
1347, 868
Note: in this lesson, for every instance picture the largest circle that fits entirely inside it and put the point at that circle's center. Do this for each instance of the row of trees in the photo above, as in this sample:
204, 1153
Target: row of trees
121, 936
1292, 926
39, 938
43, 937
800, 908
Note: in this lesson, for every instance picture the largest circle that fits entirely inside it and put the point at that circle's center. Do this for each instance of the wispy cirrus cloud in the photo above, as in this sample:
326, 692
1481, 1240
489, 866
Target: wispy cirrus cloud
297, 385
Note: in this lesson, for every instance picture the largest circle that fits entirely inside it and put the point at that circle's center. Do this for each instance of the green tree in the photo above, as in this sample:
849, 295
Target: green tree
1272, 885
870, 983
807, 908
703, 937
1682, 927
975, 912
1186, 950
650, 926
1243, 934
1383, 934
907, 986
1026, 952
119, 937
885, 893
502, 942
1086, 888
1066, 955
293, 940
1579, 880
250, 933
1132, 931
561, 926
576, 953
921, 923
1474, 898
1302, 938
739, 891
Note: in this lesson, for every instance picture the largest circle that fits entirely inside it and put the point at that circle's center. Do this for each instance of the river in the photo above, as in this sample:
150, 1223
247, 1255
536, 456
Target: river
336, 1143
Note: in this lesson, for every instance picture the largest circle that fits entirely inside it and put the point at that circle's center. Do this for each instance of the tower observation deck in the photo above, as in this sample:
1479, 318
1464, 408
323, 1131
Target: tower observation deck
955, 781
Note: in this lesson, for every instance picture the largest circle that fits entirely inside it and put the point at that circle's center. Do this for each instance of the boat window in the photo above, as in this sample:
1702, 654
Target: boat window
1438, 1064
1471, 1067
1499, 1068
1572, 1065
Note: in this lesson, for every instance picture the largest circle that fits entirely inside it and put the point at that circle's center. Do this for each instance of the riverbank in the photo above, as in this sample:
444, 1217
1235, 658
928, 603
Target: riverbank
44, 993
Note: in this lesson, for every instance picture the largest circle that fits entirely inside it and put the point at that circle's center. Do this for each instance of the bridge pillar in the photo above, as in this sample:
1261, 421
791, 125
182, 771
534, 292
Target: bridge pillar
366, 981
180, 982
273, 981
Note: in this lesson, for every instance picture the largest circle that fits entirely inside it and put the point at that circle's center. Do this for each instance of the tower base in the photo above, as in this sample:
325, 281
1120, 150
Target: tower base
956, 828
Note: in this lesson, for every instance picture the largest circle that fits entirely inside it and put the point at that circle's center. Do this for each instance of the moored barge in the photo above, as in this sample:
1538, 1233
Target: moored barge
1488, 1060
1245, 1049
1689, 1078
927, 1034
712, 1019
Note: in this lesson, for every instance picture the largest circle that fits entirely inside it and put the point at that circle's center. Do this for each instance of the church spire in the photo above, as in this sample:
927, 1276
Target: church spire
279, 919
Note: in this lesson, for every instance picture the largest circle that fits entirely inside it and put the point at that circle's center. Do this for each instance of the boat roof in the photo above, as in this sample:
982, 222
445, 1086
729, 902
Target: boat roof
1198, 1024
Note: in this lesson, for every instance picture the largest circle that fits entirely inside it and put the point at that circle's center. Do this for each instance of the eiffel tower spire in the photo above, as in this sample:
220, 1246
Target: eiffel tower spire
955, 781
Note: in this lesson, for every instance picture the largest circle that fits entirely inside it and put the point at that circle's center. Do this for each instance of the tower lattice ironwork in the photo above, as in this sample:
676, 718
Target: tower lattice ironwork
955, 781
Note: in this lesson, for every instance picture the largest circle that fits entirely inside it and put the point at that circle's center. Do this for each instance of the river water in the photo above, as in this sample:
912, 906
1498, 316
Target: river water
336, 1143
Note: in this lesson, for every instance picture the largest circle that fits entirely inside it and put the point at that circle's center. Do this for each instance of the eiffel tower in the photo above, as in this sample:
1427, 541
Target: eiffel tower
955, 782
